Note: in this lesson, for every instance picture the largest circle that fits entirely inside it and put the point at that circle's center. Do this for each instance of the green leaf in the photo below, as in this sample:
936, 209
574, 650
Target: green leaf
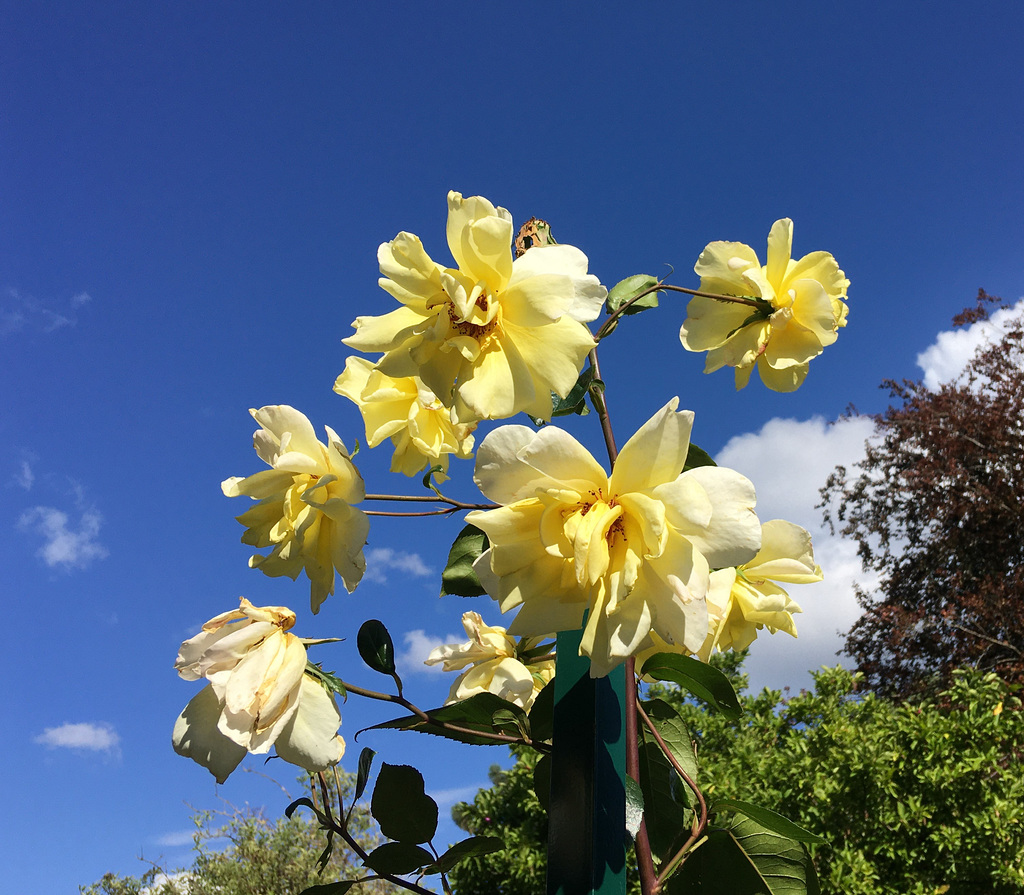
397, 858
475, 713
365, 760
674, 732
376, 647
306, 802
467, 848
326, 679
401, 807
696, 456
666, 801
338, 888
634, 806
784, 865
703, 681
576, 400
768, 819
428, 475
458, 578
511, 722
717, 867
542, 713
627, 289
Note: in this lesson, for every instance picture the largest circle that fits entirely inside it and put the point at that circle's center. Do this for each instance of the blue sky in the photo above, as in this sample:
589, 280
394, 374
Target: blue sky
191, 199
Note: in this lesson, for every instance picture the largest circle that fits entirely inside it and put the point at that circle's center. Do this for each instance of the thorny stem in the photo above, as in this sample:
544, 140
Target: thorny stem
644, 858
702, 806
361, 853
609, 324
425, 716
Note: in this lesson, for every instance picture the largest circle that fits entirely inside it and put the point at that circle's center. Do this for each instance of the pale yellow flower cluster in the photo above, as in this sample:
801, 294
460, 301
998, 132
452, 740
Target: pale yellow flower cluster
485, 339
494, 664
407, 412
305, 510
802, 311
634, 549
258, 695
746, 599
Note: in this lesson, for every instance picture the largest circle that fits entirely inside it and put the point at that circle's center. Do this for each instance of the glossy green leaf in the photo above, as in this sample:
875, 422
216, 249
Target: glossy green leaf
467, 848
401, 807
627, 289
673, 731
376, 647
634, 806
770, 820
338, 888
458, 578
363, 774
666, 801
696, 456
703, 681
474, 714
576, 400
542, 713
398, 858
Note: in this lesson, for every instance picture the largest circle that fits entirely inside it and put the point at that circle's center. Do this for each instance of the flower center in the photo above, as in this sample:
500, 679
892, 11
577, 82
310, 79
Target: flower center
477, 331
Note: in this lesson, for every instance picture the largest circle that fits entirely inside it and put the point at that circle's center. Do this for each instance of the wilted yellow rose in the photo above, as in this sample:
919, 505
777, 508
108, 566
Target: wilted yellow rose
305, 510
408, 413
745, 599
495, 665
492, 336
258, 695
803, 309
635, 548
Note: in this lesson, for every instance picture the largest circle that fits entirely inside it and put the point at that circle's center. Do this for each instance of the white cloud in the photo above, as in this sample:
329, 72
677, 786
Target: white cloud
949, 354
418, 645
177, 839
25, 477
63, 545
381, 560
445, 798
91, 737
19, 311
788, 461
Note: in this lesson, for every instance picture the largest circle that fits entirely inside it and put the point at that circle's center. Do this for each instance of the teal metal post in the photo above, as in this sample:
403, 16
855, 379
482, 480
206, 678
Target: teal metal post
587, 808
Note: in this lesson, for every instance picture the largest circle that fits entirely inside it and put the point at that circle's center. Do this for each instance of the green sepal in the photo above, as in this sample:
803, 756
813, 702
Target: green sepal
701, 680
327, 679
458, 578
400, 806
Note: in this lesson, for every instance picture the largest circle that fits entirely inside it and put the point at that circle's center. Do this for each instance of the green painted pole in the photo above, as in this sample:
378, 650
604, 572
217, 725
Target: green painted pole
587, 808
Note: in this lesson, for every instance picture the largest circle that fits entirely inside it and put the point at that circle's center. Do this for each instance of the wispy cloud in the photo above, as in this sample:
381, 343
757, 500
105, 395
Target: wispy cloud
418, 645
945, 359
64, 544
787, 491
381, 560
24, 312
82, 736
445, 798
176, 839
25, 477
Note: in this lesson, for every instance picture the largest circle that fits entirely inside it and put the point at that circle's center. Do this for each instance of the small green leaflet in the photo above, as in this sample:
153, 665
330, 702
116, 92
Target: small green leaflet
458, 578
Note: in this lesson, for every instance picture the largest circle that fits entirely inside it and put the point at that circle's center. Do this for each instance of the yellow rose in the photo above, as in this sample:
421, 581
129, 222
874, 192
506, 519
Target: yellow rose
258, 695
746, 599
803, 309
492, 336
495, 666
408, 413
635, 549
305, 507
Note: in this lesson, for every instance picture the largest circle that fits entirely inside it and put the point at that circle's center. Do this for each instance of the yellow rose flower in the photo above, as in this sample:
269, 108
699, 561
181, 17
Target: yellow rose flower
746, 599
408, 413
491, 336
495, 666
803, 312
635, 549
258, 695
305, 507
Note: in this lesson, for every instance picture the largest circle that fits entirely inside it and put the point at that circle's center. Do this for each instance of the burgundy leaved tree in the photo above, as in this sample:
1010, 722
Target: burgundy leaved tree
937, 510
